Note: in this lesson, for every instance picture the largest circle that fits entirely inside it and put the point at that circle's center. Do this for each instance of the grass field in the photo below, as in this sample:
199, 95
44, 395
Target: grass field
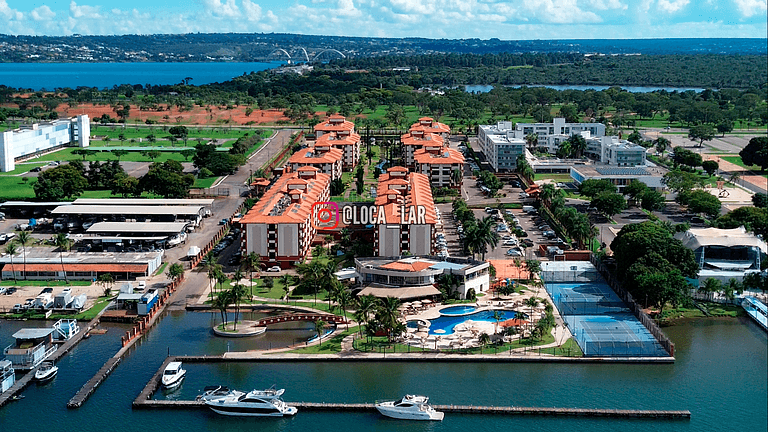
565, 178
14, 189
209, 132
22, 168
204, 183
737, 160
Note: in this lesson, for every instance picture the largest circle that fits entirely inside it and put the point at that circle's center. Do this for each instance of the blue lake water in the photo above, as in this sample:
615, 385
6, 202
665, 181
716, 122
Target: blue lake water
49, 76
720, 376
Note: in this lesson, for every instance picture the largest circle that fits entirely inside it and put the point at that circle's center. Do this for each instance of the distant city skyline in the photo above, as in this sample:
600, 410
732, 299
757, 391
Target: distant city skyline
450, 19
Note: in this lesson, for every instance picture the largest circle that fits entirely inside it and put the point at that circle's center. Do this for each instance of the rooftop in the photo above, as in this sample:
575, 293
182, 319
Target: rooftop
419, 263
335, 139
33, 333
335, 123
144, 201
444, 156
418, 194
126, 210
312, 156
138, 227
276, 206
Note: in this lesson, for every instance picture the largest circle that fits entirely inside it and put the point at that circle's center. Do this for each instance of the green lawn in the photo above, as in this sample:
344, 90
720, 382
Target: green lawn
133, 156
328, 346
22, 168
91, 313
161, 269
564, 178
204, 183
737, 160
161, 131
14, 189
714, 309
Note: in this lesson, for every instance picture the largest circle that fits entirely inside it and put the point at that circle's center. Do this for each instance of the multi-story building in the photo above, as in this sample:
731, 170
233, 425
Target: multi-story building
614, 151
619, 176
322, 156
429, 125
335, 123
415, 277
347, 142
279, 226
27, 141
557, 127
724, 254
439, 164
418, 139
500, 146
409, 214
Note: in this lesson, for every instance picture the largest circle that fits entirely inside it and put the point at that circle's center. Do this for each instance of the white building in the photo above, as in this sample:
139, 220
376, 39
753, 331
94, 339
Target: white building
40, 137
558, 127
500, 145
619, 176
724, 253
616, 152
415, 277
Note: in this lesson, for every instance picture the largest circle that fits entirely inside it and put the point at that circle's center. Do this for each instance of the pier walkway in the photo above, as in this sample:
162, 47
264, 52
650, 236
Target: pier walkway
24, 381
757, 310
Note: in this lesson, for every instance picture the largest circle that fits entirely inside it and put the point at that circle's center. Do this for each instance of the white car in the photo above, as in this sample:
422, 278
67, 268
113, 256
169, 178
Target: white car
514, 252
274, 269
510, 242
502, 228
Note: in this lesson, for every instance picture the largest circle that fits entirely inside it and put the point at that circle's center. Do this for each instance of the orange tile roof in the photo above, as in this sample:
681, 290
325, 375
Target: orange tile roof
334, 139
397, 168
423, 157
330, 156
327, 126
298, 212
260, 182
419, 193
77, 267
409, 267
427, 124
427, 138
306, 168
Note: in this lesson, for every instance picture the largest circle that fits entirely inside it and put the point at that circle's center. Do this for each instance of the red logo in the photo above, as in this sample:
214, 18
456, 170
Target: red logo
327, 216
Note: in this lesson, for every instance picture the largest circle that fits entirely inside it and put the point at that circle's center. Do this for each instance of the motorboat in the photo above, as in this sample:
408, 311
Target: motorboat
254, 403
46, 371
173, 375
410, 407
212, 392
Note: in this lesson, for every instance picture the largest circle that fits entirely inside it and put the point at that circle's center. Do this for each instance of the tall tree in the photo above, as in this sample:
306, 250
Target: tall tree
24, 238
63, 242
12, 250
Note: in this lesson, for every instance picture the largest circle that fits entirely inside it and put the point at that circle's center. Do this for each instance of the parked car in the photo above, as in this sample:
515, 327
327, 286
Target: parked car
274, 269
223, 221
527, 242
488, 210
11, 290
511, 242
514, 252
47, 290
549, 234
36, 169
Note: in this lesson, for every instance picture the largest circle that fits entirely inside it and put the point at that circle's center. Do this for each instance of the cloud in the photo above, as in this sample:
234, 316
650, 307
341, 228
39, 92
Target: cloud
42, 13
559, 12
748, 8
8, 13
252, 10
217, 8
672, 6
607, 4
91, 12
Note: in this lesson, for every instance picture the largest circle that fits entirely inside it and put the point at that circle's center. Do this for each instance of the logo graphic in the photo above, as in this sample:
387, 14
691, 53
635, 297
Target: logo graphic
327, 216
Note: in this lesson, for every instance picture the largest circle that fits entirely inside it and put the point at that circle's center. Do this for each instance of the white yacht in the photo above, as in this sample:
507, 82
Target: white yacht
253, 403
173, 375
46, 371
410, 407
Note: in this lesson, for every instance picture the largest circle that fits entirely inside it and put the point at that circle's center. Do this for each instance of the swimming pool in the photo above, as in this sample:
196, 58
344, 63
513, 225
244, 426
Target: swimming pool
458, 310
445, 324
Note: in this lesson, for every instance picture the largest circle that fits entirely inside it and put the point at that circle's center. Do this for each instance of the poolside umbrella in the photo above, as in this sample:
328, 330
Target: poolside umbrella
439, 331
402, 307
406, 304
427, 301
416, 304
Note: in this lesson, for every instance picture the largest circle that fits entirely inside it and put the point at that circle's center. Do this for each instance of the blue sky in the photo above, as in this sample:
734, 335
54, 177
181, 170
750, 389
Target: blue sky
452, 19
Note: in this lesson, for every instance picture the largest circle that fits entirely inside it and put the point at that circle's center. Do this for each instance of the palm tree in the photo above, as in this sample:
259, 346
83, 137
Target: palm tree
62, 241
344, 298
221, 302
388, 314
365, 307
12, 249
532, 303
213, 272
487, 235
661, 145
484, 339
24, 238
497, 317
286, 281
328, 240
252, 262
329, 281
456, 177
237, 293
531, 140
519, 266
320, 329
548, 191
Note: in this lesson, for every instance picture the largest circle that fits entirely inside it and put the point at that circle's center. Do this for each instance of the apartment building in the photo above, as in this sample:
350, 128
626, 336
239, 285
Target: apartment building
347, 142
322, 156
409, 212
438, 164
416, 140
500, 146
37, 138
335, 123
558, 127
278, 227
429, 125
613, 151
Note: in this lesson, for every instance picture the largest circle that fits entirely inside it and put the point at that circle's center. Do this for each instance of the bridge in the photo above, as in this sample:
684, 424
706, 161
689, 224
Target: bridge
301, 317
299, 54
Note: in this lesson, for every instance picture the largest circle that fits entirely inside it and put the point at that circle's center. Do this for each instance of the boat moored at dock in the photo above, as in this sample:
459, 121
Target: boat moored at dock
46, 371
256, 403
173, 375
410, 407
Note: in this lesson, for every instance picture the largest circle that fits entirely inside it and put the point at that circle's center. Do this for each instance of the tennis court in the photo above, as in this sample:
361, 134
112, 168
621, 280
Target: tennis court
599, 320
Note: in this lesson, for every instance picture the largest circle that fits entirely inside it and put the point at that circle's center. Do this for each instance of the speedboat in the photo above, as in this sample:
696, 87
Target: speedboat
46, 371
173, 375
254, 403
410, 407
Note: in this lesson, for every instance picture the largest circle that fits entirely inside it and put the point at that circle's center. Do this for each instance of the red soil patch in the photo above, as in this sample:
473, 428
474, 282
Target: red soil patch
198, 115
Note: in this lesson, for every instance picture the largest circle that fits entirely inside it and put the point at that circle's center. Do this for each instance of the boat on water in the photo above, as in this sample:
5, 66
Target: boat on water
46, 371
173, 375
265, 403
410, 407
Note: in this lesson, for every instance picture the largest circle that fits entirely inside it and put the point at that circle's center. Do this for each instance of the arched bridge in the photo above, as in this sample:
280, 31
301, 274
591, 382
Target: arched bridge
301, 317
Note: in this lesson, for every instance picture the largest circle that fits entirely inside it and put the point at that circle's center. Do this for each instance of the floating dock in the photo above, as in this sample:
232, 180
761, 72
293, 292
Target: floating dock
756, 310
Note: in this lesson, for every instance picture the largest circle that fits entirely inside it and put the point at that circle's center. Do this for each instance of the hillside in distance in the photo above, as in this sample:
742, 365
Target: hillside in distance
248, 47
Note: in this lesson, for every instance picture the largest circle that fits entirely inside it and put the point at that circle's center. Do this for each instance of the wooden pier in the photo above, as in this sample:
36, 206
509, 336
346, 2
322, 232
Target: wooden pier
457, 409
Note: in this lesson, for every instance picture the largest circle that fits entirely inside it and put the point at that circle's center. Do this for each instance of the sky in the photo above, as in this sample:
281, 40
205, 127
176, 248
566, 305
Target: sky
450, 19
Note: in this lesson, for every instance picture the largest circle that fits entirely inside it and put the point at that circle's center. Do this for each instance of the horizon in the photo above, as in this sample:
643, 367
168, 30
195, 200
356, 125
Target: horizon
398, 19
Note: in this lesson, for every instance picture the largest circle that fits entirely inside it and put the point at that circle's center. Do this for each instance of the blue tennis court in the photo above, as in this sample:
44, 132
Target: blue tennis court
600, 322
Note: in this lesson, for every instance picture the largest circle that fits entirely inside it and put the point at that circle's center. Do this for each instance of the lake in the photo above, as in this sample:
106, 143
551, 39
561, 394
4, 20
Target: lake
720, 376
49, 76
632, 89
